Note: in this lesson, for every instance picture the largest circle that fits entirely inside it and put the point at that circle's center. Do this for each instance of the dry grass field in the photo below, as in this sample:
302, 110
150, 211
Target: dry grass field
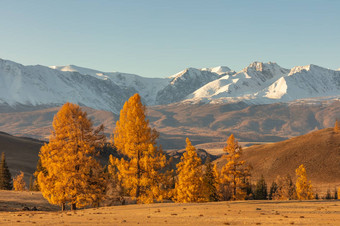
217, 213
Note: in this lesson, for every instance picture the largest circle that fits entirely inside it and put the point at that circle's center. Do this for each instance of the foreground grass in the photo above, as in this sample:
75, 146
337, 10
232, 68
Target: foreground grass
218, 213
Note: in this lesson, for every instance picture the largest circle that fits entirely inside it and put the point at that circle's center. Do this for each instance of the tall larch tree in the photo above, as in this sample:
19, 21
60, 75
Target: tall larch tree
139, 172
234, 173
303, 186
71, 174
5, 175
189, 185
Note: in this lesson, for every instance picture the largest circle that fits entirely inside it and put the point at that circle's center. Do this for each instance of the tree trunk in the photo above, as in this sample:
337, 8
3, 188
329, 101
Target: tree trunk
73, 206
234, 198
138, 176
63, 207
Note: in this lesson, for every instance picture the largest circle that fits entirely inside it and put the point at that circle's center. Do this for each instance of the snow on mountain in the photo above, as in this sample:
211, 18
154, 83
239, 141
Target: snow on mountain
251, 79
220, 70
39, 85
184, 83
146, 87
259, 83
262, 83
304, 82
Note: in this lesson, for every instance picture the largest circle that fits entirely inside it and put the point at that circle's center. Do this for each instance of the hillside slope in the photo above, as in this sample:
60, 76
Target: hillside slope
319, 151
21, 153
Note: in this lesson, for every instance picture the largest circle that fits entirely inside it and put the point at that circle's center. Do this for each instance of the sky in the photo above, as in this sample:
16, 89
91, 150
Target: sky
158, 38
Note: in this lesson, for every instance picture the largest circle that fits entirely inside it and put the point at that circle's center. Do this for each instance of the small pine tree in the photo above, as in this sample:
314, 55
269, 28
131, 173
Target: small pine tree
249, 190
335, 193
209, 182
336, 127
273, 190
261, 189
328, 194
189, 185
19, 183
5, 175
303, 186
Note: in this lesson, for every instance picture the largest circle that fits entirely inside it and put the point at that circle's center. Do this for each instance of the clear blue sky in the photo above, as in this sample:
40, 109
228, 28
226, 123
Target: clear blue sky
158, 38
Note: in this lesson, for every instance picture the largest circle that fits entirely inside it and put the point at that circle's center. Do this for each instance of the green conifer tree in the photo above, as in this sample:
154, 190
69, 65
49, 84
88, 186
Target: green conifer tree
209, 182
5, 175
335, 193
272, 190
261, 189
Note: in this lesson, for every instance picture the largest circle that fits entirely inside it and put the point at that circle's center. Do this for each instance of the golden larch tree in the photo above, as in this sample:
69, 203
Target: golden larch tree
189, 187
19, 183
336, 127
71, 174
139, 172
303, 186
234, 173
285, 189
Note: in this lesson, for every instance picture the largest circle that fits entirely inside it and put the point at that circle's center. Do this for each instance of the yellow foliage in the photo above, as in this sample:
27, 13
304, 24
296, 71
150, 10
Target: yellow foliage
190, 182
336, 127
234, 173
286, 189
19, 183
139, 174
71, 173
303, 186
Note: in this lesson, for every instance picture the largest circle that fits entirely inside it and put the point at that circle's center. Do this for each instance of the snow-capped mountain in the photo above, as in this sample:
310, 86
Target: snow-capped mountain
39, 85
259, 83
186, 82
263, 83
146, 87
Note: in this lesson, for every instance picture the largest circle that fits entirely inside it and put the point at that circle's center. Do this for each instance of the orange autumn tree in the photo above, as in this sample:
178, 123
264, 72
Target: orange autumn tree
303, 186
139, 172
19, 183
234, 173
71, 173
189, 187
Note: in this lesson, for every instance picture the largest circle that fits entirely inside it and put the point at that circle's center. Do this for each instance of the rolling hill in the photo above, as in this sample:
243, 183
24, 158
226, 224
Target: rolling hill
319, 151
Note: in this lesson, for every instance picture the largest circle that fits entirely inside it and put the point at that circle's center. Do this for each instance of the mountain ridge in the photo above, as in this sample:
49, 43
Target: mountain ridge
258, 83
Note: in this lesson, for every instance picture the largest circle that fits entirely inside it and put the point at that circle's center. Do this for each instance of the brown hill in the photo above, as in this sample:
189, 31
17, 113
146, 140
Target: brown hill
21, 153
319, 151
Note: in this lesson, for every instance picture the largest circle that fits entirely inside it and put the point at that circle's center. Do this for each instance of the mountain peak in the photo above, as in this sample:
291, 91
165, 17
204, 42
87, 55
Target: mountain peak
309, 67
260, 66
218, 70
